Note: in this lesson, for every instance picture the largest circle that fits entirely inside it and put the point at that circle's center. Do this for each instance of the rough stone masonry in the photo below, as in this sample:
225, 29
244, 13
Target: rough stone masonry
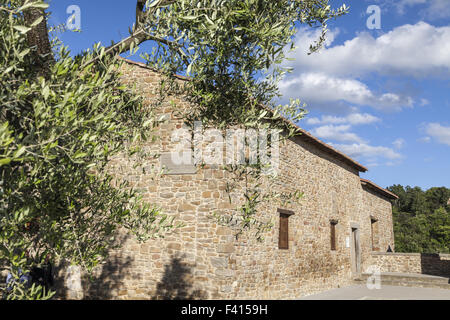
204, 260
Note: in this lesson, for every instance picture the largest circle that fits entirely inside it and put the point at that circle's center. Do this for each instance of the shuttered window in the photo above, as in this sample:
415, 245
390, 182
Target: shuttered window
333, 224
374, 231
284, 232
283, 240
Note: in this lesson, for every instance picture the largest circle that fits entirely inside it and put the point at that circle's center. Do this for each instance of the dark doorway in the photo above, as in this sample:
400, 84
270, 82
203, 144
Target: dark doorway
356, 252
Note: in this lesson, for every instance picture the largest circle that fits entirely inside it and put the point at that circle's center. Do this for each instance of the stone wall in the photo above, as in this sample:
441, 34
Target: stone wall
424, 263
379, 210
205, 260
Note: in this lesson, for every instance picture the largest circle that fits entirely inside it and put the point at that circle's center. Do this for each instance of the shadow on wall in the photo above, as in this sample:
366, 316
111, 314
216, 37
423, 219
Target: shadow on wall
177, 282
105, 282
108, 283
435, 264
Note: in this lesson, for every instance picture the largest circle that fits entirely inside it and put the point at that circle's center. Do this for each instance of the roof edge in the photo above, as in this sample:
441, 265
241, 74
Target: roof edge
379, 189
327, 147
303, 132
143, 65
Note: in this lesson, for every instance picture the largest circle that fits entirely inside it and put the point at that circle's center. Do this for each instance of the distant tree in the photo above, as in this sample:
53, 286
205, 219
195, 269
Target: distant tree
400, 191
421, 219
439, 230
436, 198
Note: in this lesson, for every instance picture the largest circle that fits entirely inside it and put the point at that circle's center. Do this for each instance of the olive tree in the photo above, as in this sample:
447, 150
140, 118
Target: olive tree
62, 118
61, 121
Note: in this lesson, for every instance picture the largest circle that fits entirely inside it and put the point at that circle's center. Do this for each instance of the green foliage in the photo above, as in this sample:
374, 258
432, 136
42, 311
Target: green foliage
60, 126
21, 290
57, 135
421, 219
233, 51
258, 189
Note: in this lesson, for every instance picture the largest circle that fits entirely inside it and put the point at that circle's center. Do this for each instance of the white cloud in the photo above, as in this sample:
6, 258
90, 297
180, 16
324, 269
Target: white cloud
419, 50
402, 4
439, 132
372, 164
336, 133
353, 119
436, 9
321, 89
364, 150
424, 102
424, 139
399, 143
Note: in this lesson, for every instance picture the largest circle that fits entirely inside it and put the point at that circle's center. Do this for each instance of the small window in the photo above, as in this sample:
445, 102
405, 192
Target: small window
374, 233
283, 240
333, 224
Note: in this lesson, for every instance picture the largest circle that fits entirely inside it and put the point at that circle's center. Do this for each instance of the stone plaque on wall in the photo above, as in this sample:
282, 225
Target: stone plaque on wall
172, 167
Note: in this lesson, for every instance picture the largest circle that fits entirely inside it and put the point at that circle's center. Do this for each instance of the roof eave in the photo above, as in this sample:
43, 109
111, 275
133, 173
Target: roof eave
379, 189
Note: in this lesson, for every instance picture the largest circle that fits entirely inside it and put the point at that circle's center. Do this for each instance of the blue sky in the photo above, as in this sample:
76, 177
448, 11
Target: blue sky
382, 96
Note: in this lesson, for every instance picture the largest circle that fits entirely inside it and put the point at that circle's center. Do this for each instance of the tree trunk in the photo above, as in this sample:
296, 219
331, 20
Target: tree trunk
38, 39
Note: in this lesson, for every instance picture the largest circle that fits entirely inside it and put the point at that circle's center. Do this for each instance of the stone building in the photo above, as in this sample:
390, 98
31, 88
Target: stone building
321, 242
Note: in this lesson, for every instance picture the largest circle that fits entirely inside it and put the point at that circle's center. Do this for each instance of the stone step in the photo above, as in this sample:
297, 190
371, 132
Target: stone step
414, 277
409, 280
411, 284
417, 284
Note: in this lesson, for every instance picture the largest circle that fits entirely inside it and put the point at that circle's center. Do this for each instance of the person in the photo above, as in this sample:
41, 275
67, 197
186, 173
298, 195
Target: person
23, 278
43, 276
